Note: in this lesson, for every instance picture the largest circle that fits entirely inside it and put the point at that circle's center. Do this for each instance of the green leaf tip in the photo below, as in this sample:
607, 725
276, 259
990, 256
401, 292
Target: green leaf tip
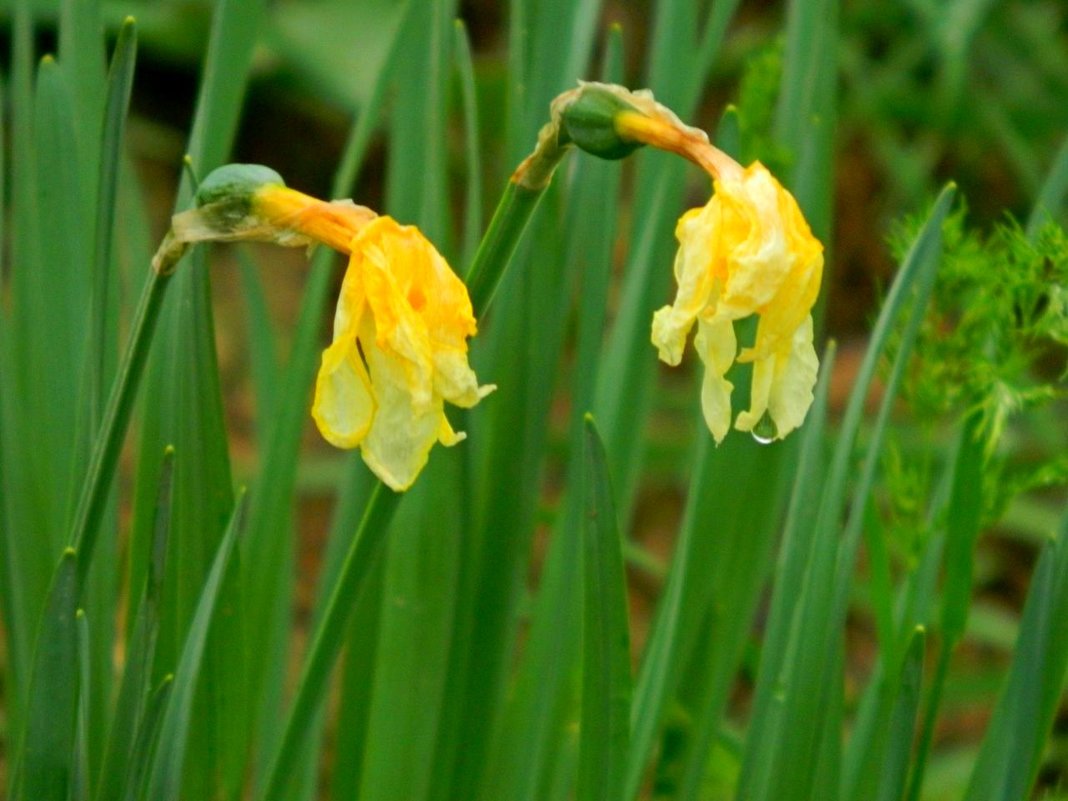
79, 614
129, 21
168, 451
48, 60
235, 182
69, 553
587, 418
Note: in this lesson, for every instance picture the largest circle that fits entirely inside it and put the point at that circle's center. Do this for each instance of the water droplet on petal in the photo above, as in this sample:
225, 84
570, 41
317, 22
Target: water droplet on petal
765, 431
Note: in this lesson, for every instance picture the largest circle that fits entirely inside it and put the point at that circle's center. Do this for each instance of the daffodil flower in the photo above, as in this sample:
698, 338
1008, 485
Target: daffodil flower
399, 352
402, 322
747, 251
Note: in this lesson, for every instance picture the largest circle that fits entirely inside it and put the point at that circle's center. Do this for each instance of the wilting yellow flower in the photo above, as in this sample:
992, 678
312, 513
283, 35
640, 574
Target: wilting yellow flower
748, 251
402, 322
399, 352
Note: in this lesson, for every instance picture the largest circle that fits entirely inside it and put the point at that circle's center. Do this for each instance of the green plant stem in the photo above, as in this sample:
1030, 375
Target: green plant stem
112, 431
495, 252
330, 634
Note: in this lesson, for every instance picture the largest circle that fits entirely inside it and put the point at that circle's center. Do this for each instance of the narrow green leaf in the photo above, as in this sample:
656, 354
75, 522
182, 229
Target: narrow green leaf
101, 126
415, 633
184, 407
269, 543
165, 777
117, 775
45, 765
962, 528
902, 728
360, 558
805, 116
82, 777
1050, 200
422, 564
472, 226
531, 730
740, 552
416, 182
357, 688
606, 683
143, 747
28, 568
624, 390
104, 276
783, 748
81, 53
58, 310
1012, 747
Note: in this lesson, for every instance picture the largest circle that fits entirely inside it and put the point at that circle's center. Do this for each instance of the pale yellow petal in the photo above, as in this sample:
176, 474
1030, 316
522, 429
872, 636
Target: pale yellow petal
395, 301
344, 403
696, 281
759, 393
782, 385
791, 393
759, 258
403, 431
716, 345
455, 381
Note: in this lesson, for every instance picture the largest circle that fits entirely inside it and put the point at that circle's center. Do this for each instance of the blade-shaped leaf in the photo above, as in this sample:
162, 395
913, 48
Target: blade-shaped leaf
165, 777
45, 767
606, 682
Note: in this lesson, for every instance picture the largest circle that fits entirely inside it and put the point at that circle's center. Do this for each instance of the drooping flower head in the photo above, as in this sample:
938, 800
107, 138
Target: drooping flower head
400, 331
399, 351
748, 251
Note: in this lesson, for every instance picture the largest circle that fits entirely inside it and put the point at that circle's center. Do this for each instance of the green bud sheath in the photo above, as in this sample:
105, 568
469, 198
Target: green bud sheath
235, 181
589, 123
226, 193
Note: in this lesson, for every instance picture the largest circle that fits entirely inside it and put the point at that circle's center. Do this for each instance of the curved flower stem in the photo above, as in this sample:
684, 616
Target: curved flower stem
330, 634
108, 445
495, 251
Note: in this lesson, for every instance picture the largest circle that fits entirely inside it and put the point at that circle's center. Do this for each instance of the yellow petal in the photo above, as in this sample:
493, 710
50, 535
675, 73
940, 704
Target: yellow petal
782, 384
403, 430
455, 381
791, 392
696, 281
388, 258
716, 344
755, 241
344, 403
